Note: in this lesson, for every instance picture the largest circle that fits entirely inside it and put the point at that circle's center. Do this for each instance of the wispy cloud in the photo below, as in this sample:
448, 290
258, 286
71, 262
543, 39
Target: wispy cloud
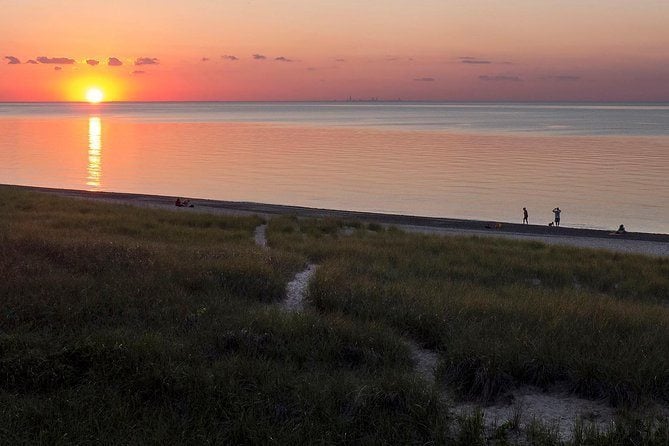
561, 78
146, 61
55, 60
92, 62
340, 60
229, 57
31, 61
476, 62
392, 58
283, 59
473, 60
138, 72
501, 78
259, 57
11, 60
114, 62
57, 68
205, 59
424, 79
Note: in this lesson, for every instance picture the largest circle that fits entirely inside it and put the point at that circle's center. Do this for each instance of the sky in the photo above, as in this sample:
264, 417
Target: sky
276, 50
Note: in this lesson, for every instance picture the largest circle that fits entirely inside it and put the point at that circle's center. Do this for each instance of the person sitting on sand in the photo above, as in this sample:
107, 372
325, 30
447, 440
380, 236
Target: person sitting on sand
621, 231
185, 203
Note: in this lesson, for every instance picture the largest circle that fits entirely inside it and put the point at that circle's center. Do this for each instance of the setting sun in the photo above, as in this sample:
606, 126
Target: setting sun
94, 95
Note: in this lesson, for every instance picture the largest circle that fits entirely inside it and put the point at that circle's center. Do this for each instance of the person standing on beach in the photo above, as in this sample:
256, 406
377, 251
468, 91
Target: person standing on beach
557, 211
525, 221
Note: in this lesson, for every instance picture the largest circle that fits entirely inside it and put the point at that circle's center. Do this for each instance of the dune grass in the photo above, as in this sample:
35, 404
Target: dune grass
129, 326
503, 313
121, 325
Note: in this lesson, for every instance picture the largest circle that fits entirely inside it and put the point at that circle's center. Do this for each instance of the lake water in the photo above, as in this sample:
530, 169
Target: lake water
603, 165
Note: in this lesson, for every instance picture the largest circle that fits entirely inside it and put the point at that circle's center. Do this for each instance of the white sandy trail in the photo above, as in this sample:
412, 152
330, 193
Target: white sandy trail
424, 360
556, 410
297, 288
260, 236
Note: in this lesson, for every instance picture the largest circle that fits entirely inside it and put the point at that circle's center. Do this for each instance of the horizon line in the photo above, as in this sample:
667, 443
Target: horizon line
346, 101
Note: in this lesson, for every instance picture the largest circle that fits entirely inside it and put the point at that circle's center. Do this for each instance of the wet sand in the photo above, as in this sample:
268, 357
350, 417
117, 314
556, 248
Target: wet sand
632, 242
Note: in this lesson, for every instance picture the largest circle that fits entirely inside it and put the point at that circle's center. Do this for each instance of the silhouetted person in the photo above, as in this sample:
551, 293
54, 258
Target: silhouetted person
557, 211
525, 221
621, 230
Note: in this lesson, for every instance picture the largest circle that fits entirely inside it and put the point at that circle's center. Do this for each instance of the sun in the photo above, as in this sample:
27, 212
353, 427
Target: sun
94, 95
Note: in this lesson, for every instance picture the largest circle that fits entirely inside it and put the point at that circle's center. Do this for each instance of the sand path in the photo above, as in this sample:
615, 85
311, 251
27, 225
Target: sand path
559, 411
424, 361
260, 236
297, 289
556, 409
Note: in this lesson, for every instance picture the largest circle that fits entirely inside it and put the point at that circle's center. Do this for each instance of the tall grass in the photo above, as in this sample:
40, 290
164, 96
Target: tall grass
121, 325
502, 313
131, 326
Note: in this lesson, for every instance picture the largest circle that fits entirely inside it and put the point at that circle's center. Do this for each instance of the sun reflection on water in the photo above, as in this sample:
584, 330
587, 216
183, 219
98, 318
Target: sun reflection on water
94, 152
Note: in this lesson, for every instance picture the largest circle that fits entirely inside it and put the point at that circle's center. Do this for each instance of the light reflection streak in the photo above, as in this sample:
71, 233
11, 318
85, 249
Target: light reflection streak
94, 152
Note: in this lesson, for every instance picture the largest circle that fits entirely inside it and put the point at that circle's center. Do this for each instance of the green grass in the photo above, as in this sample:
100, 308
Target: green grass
503, 313
125, 326
121, 325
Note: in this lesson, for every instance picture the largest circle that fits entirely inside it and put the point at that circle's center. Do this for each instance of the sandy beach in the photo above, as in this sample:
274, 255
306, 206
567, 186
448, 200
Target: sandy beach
631, 242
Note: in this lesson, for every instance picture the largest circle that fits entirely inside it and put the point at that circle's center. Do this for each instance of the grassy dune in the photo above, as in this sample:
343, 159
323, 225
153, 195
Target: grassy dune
139, 326
504, 313
123, 325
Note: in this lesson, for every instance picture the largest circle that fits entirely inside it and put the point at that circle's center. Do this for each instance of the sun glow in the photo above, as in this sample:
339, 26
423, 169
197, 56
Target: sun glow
112, 87
94, 95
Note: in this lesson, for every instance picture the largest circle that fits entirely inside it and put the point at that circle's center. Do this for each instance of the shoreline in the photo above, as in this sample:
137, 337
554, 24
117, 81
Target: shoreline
633, 242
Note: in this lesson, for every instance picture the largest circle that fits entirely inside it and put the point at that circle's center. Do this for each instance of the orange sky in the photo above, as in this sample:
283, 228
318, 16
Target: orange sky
591, 50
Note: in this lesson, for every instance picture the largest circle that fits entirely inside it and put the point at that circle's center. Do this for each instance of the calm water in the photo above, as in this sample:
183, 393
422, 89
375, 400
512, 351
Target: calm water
602, 164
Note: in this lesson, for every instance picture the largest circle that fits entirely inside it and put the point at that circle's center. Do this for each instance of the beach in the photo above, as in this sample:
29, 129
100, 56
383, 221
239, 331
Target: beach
631, 242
